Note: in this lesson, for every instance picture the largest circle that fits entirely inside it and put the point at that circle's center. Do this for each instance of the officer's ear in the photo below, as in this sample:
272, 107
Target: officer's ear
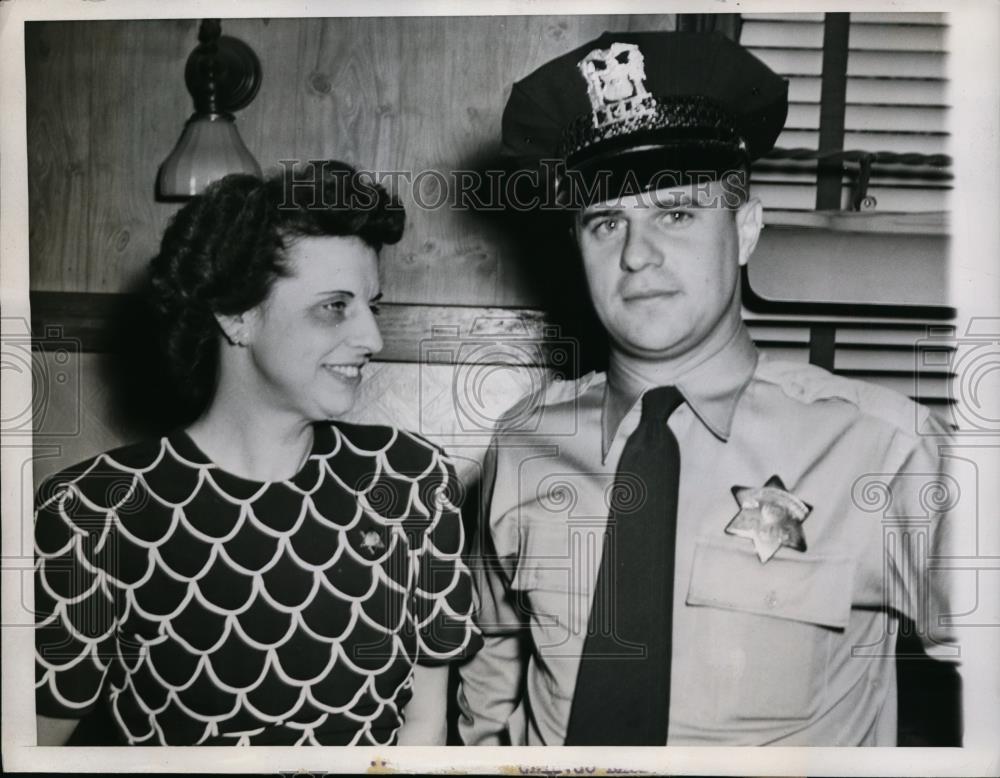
749, 223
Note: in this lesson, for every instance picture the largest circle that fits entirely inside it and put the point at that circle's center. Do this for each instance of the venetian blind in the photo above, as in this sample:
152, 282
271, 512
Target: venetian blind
895, 104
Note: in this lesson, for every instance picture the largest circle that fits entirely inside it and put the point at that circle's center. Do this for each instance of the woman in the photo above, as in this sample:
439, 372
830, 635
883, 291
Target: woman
264, 575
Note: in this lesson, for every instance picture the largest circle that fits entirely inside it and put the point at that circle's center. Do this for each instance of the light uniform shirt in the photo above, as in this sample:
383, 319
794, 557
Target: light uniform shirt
795, 651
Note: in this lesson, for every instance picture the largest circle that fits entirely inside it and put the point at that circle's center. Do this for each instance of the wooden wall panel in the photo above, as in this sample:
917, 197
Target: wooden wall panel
106, 104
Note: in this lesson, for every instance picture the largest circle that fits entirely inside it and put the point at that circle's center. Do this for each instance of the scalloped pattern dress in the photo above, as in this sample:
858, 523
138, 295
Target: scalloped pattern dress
207, 609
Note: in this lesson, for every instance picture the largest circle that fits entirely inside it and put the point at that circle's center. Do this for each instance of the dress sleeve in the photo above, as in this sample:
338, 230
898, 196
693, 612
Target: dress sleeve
74, 610
443, 598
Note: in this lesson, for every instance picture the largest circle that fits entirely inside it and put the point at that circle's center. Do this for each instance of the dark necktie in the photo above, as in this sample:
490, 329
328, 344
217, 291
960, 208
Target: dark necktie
622, 694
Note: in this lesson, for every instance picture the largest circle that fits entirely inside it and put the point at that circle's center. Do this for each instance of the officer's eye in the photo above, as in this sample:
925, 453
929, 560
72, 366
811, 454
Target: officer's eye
335, 306
675, 218
375, 308
603, 228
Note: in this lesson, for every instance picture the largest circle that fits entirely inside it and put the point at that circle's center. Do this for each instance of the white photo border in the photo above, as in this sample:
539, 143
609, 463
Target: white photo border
975, 285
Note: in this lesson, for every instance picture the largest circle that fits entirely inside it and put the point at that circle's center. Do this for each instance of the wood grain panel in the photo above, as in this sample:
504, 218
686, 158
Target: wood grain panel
106, 104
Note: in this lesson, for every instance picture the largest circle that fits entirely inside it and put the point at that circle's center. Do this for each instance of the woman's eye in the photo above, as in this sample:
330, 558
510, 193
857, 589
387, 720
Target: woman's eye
375, 308
333, 310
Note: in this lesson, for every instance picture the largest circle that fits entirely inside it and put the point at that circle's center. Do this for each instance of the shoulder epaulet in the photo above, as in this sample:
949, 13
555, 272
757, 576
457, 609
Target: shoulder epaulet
550, 393
808, 383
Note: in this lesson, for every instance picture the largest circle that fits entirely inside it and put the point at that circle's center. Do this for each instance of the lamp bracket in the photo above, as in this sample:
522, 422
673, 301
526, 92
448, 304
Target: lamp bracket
223, 73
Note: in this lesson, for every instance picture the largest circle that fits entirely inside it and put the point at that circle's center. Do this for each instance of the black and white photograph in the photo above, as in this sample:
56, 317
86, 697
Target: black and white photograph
493, 377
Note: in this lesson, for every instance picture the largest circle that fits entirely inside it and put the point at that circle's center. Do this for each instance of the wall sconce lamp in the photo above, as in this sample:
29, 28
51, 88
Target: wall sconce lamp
223, 75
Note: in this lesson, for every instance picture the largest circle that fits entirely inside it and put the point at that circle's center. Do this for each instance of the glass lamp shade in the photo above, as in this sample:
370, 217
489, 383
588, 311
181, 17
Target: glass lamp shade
209, 148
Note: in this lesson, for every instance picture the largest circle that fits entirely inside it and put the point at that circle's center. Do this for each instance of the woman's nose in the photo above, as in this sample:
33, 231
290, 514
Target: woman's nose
368, 336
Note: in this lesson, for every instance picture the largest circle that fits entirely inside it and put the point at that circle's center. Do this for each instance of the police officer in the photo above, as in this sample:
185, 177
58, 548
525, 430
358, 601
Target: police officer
683, 549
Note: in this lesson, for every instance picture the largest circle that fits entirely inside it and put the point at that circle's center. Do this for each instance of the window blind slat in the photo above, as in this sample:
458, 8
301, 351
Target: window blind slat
805, 89
896, 37
779, 17
791, 61
794, 139
909, 18
900, 144
902, 361
785, 333
786, 196
890, 337
883, 91
875, 36
905, 118
912, 64
763, 175
787, 54
803, 116
799, 34
899, 90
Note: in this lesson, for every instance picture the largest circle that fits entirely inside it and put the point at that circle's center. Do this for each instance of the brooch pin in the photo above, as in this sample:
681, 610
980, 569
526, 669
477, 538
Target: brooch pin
371, 542
770, 516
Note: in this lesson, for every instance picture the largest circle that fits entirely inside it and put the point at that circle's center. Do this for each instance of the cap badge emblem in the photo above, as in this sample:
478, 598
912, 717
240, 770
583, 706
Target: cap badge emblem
616, 83
770, 516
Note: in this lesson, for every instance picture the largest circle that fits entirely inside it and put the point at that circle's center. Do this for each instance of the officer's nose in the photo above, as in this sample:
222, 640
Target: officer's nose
640, 249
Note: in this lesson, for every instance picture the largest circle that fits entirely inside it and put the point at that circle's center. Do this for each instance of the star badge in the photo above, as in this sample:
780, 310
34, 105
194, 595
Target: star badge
770, 516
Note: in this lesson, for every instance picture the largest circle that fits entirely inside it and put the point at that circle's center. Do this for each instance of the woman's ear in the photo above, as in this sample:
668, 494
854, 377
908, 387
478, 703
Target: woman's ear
749, 223
235, 328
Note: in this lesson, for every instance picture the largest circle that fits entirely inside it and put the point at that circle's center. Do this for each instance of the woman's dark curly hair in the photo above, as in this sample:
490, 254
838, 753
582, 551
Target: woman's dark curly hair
224, 249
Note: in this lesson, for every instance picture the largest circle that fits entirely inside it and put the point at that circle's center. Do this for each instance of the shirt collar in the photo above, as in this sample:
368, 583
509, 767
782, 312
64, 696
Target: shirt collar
712, 387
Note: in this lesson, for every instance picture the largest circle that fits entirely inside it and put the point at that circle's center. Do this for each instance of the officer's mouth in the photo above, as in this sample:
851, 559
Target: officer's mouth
649, 294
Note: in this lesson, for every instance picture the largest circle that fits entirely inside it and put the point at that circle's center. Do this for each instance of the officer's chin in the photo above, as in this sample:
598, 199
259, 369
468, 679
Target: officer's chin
647, 347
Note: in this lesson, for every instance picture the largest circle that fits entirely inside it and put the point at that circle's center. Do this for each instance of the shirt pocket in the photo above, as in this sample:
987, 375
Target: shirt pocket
770, 628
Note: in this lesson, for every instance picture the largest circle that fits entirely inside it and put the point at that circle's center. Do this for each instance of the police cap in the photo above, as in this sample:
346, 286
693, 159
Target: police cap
644, 109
